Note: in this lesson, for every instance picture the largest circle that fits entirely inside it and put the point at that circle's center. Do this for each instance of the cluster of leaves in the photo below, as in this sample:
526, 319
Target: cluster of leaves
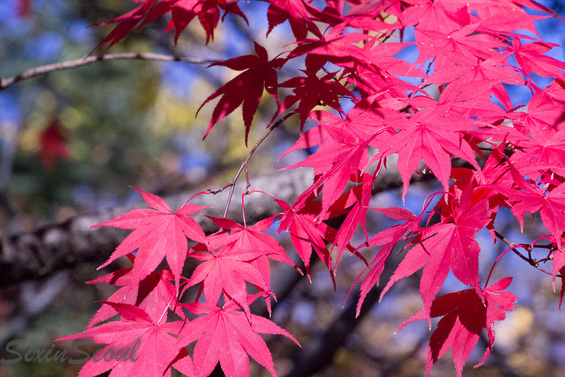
452, 104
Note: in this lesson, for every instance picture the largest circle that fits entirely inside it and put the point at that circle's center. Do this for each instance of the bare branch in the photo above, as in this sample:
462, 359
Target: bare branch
245, 163
52, 248
5, 83
56, 247
531, 261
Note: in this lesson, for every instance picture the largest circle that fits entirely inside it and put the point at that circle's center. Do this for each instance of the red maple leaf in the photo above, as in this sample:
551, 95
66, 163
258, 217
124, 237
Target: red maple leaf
307, 232
183, 12
246, 88
542, 118
138, 342
226, 270
342, 159
253, 238
470, 70
458, 99
262, 246
389, 238
208, 12
150, 294
342, 154
158, 233
430, 136
227, 336
356, 202
458, 46
446, 246
52, 145
311, 91
465, 314
336, 46
125, 23
530, 58
430, 15
297, 12
542, 150
549, 201
510, 17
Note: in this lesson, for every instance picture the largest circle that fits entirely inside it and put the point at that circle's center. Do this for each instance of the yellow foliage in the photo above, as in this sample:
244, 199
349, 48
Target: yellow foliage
517, 324
29, 140
172, 114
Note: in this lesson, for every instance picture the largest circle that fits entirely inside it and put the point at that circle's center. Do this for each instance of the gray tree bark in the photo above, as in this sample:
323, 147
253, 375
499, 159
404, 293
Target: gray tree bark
55, 247
61, 246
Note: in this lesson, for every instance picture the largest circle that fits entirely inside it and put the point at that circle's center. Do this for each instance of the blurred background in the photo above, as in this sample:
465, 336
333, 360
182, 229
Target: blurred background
74, 142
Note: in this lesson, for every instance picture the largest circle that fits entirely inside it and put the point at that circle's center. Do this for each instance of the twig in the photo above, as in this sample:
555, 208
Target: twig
243, 166
4, 83
529, 259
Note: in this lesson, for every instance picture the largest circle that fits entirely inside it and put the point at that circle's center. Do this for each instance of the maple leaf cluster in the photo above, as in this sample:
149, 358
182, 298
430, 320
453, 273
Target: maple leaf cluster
451, 105
225, 331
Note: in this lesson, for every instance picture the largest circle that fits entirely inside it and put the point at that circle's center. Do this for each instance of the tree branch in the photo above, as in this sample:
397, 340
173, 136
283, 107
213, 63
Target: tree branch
532, 262
5, 83
52, 248
320, 351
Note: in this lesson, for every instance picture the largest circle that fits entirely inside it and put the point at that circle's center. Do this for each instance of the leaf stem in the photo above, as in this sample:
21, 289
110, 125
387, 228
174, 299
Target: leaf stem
496, 261
195, 195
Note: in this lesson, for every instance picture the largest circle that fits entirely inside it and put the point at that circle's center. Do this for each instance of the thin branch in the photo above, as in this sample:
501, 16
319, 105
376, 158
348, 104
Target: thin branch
244, 164
531, 261
5, 83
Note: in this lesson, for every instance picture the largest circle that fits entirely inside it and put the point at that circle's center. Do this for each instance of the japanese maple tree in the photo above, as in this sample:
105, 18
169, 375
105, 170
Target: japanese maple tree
362, 108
